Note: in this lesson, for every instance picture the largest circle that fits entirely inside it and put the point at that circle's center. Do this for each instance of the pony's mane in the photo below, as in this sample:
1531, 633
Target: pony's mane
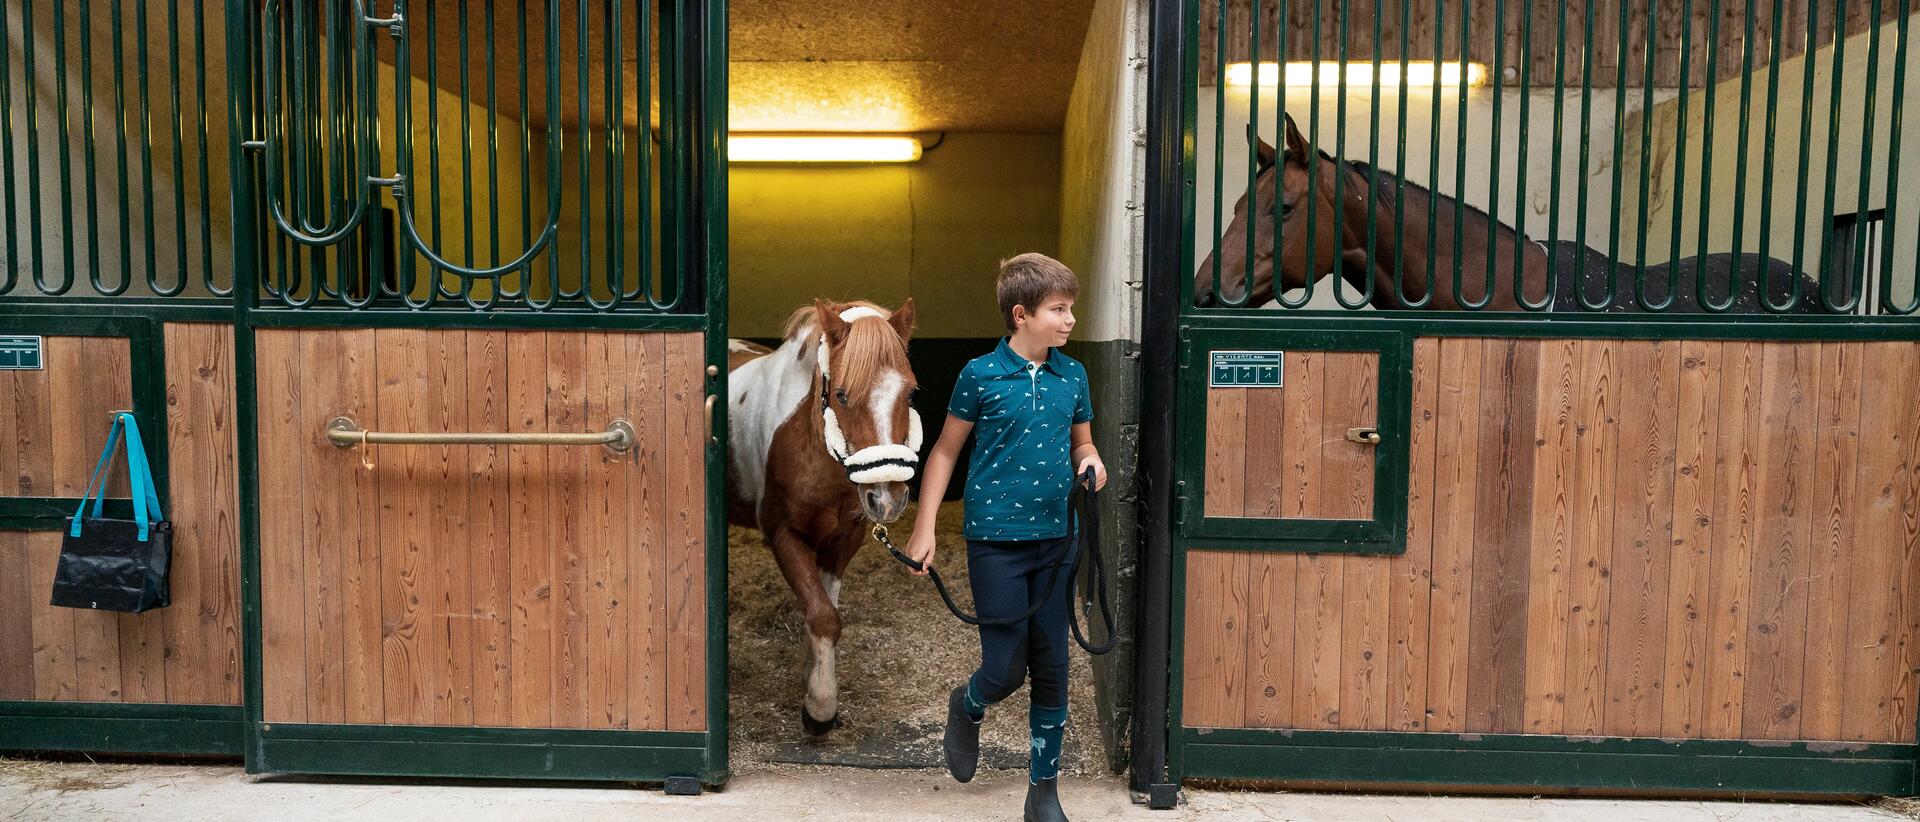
870, 350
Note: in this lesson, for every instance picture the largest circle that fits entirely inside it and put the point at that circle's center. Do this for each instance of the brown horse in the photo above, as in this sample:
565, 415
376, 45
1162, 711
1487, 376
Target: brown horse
822, 441
1320, 236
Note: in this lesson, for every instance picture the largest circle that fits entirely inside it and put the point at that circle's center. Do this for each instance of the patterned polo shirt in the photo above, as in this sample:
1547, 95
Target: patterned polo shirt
1021, 470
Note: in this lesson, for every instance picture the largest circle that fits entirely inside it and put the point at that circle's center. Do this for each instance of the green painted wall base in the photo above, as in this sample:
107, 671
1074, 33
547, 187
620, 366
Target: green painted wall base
1732, 766
108, 727
500, 753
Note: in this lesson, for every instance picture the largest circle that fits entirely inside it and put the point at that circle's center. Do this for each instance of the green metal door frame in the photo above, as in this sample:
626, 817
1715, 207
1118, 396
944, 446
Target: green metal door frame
693, 40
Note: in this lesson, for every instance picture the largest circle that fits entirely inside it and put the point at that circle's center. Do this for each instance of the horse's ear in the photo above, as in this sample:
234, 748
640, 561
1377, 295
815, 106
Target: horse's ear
1264, 152
827, 315
1296, 144
902, 319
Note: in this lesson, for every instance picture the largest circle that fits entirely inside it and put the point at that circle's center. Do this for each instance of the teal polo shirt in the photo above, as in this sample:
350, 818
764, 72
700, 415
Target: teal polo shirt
1023, 413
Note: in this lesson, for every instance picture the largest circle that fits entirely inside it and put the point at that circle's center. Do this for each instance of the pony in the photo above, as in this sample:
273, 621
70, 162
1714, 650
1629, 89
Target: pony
821, 438
1439, 234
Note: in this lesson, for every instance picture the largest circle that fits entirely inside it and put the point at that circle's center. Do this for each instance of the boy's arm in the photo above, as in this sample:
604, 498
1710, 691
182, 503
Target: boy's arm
1085, 454
933, 487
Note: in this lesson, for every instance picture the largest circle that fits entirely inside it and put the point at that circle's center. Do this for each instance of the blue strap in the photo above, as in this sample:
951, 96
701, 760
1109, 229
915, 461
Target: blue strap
139, 474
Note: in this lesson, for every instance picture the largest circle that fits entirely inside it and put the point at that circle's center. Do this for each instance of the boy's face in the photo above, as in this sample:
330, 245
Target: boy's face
1050, 323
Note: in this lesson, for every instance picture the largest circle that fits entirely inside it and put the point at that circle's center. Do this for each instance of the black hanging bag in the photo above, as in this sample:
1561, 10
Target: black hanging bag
116, 564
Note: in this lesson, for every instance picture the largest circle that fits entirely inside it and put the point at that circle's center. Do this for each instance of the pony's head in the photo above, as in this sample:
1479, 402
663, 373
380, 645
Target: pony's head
1281, 175
862, 388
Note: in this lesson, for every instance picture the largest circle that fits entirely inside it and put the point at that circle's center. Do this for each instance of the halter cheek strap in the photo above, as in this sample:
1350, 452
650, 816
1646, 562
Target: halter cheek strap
888, 462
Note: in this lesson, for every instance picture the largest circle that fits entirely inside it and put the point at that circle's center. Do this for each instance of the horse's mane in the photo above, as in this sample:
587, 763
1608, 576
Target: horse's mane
869, 352
1384, 185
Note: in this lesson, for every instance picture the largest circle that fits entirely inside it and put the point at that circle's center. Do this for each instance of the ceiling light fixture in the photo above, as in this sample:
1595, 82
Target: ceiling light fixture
822, 148
1419, 74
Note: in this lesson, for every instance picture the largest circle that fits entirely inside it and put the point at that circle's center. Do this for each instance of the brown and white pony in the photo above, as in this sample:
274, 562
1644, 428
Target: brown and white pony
822, 443
1319, 236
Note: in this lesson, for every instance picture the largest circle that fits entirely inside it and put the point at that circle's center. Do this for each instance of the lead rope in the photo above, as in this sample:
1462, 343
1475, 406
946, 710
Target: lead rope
1086, 529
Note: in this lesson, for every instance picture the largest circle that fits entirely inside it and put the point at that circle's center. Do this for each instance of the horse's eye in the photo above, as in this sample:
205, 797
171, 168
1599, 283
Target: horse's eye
1286, 209
841, 395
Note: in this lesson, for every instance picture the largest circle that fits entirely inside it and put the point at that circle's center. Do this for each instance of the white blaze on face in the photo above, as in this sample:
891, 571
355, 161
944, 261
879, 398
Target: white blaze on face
886, 392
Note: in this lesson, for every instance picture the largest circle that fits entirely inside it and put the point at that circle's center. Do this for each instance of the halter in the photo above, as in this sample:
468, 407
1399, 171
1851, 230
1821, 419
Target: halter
888, 462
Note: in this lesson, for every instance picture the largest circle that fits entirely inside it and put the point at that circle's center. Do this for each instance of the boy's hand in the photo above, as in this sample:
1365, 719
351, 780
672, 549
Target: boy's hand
921, 548
1099, 471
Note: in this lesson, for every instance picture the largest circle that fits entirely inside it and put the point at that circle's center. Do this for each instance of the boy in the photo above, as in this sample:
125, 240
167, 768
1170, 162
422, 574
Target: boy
1030, 410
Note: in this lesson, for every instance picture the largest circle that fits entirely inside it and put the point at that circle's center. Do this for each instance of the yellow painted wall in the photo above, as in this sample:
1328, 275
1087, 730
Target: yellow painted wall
935, 229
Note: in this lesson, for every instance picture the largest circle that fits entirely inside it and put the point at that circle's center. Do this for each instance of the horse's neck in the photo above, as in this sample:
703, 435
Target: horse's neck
1416, 244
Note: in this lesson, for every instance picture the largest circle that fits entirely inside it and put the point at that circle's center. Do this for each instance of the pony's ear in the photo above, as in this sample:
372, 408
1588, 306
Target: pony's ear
902, 319
1296, 144
827, 315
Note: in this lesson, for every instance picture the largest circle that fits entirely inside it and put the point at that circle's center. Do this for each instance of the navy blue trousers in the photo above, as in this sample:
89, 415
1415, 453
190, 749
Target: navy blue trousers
1007, 579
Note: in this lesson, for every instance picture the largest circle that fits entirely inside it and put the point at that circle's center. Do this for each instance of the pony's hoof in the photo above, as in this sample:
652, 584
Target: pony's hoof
816, 727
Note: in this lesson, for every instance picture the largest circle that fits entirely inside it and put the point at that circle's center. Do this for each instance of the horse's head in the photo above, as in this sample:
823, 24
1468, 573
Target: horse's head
863, 387
1281, 175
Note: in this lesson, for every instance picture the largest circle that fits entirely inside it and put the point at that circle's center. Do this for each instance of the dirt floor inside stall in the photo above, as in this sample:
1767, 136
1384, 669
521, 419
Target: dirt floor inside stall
900, 653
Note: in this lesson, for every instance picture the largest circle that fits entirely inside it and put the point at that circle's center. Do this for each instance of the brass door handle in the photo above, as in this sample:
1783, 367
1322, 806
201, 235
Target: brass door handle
1364, 436
710, 437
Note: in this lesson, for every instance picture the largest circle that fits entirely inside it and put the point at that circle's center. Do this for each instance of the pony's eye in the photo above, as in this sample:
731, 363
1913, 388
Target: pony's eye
841, 395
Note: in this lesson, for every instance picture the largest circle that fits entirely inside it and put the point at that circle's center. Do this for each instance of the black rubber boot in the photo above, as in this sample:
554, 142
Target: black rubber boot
1043, 801
962, 740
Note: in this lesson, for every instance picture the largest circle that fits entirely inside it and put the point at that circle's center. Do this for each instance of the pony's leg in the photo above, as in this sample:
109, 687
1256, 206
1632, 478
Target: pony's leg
799, 564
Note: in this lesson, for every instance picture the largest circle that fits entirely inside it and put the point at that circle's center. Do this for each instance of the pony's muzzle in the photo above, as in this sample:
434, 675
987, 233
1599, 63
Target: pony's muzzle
884, 502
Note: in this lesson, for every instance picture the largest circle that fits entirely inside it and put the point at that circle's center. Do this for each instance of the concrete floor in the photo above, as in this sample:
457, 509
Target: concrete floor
169, 793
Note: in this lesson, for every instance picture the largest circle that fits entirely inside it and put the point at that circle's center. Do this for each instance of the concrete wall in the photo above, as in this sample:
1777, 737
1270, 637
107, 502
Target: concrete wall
1792, 198
1102, 186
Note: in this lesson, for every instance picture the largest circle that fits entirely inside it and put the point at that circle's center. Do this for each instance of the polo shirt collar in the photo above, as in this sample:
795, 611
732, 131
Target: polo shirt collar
1011, 362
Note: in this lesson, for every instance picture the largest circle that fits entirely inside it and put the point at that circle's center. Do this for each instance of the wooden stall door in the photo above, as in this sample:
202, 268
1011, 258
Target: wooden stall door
469, 585
1278, 445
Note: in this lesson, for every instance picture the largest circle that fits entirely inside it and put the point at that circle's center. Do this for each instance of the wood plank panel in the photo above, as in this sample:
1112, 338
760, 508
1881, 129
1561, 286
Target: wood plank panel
54, 675
1683, 705
1350, 394
102, 372
1642, 537
1876, 593
347, 474
686, 535
450, 552
322, 398
1593, 483
607, 562
1270, 624
1412, 575
530, 526
1225, 495
1347, 470
1551, 536
1734, 538
1836, 454
282, 486
1777, 626
1300, 438
1265, 453
1496, 664
406, 524
566, 411
1908, 539
1215, 622
30, 445
1455, 484
647, 531
201, 628
488, 506
18, 588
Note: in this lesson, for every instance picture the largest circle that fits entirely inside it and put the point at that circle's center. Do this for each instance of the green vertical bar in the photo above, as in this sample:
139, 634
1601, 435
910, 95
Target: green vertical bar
1460, 159
66, 154
1806, 140
1680, 157
179, 162
1253, 120
644, 87
433, 147
1856, 260
10, 275
32, 107
1763, 278
146, 154
206, 191
1833, 152
493, 157
1313, 180
526, 162
1433, 156
1892, 221
1373, 157
1586, 154
582, 64
1619, 148
242, 88
1520, 174
1559, 137
1740, 170
1400, 159
1219, 152
616, 171
1646, 179
1340, 168
119, 46
91, 167
466, 149
1493, 176
1706, 172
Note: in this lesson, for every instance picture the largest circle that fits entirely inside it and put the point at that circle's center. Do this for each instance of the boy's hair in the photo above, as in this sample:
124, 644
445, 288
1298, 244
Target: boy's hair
1028, 279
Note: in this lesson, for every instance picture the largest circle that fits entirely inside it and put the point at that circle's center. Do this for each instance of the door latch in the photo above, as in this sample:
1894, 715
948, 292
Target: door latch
1364, 436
